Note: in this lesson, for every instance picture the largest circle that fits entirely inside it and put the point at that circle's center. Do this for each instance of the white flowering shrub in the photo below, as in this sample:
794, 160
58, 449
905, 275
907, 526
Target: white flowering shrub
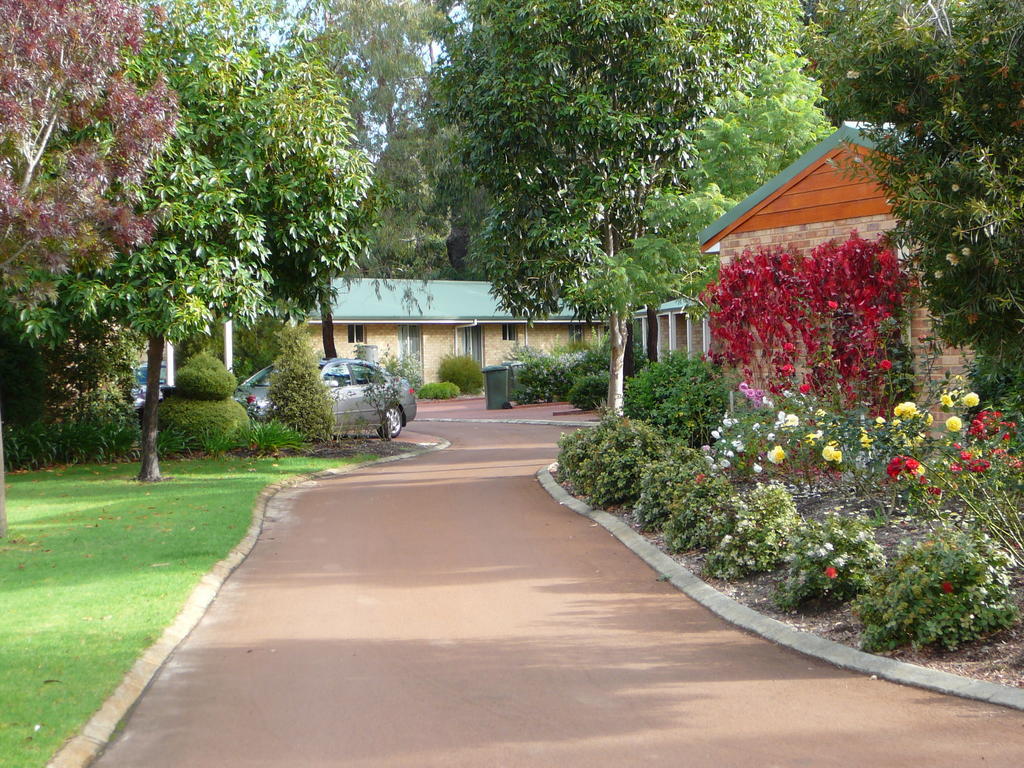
763, 524
830, 560
663, 480
700, 514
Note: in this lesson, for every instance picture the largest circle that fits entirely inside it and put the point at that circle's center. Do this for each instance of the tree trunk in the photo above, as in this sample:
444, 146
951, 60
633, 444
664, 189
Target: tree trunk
150, 471
3, 487
457, 246
327, 329
617, 329
628, 363
652, 334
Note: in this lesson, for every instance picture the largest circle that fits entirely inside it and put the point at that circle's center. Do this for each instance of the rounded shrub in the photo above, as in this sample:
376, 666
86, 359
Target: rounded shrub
607, 471
196, 420
298, 397
830, 560
204, 377
665, 478
763, 523
683, 396
944, 591
462, 371
589, 391
438, 390
701, 514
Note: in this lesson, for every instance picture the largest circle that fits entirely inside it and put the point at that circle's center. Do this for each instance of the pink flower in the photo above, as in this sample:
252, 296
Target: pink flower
833, 305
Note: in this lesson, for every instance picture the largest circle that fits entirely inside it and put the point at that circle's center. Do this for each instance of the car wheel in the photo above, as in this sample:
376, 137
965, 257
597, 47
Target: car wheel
392, 425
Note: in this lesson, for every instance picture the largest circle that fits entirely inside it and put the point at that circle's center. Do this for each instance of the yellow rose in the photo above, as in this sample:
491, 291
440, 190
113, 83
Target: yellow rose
866, 441
954, 424
929, 419
812, 437
971, 399
905, 410
879, 420
920, 469
831, 452
776, 455
946, 400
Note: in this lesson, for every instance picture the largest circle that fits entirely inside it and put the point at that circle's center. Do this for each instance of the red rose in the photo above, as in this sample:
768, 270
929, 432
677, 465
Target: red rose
831, 572
885, 365
833, 305
947, 587
912, 464
805, 388
935, 491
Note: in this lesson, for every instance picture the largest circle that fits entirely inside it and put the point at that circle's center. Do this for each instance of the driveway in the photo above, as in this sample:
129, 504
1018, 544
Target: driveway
445, 612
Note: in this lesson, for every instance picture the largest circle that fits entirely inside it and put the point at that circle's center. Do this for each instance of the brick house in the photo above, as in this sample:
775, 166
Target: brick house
824, 195
434, 318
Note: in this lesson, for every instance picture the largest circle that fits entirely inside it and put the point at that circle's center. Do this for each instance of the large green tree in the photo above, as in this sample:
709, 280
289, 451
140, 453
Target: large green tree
256, 191
940, 86
574, 115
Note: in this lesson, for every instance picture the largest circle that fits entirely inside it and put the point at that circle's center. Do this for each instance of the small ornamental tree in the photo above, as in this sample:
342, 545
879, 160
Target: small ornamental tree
298, 397
824, 322
75, 135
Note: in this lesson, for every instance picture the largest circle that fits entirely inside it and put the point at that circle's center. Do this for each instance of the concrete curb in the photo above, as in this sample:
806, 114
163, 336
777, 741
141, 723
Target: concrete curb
543, 422
83, 748
746, 618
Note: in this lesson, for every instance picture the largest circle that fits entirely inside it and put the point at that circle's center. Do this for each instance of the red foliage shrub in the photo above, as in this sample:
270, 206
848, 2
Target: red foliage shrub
833, 316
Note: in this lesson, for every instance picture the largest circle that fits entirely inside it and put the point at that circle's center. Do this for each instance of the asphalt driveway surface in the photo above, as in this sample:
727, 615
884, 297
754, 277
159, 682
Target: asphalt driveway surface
444, 611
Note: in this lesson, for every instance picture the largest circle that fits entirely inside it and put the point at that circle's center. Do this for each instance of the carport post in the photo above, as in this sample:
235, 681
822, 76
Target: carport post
229, 345
170, 364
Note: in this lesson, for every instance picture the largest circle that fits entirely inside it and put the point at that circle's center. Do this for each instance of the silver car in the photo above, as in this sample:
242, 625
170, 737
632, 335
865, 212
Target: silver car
348, 380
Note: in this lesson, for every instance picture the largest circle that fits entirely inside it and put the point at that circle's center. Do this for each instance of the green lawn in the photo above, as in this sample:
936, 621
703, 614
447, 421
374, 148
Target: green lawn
94, 567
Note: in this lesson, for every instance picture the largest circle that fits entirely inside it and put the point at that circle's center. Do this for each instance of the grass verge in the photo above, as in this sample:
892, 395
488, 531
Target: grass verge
94, 567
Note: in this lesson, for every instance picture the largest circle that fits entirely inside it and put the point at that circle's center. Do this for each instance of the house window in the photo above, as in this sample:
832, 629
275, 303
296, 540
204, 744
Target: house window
575, 332
509, 332
470, 342
357, 334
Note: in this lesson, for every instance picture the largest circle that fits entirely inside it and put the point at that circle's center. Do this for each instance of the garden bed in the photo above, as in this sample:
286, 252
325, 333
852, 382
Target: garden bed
998, 658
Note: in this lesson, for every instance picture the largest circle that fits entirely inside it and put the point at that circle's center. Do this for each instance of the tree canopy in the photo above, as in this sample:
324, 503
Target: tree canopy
255, 193
939, 86
574, 115
76, 135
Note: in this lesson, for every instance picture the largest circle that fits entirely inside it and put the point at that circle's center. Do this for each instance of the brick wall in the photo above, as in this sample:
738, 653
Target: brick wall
805, 237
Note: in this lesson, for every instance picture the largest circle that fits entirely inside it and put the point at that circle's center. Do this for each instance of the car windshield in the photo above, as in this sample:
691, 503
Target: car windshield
260, 378
337, 372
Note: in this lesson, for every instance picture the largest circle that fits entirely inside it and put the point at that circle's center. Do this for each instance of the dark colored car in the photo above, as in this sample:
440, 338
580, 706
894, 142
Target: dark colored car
348, 380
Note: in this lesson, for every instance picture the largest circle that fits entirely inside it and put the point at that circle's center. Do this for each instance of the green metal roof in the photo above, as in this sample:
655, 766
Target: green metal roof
847, 134
410, 301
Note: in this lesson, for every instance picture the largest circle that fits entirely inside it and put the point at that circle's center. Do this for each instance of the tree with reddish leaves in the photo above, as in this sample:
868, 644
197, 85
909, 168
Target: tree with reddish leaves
76, 137
831, 320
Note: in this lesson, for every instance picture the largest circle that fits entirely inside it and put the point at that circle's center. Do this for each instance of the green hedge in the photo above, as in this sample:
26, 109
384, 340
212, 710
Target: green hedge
683, 396
195, 419
204, 377
439, 390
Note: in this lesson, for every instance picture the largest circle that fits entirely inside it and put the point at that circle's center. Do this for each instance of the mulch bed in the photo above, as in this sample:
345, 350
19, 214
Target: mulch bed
998, 658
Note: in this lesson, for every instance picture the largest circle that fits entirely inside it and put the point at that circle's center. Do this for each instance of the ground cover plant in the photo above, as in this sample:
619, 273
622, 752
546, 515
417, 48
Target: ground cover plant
438, 390
93, 570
